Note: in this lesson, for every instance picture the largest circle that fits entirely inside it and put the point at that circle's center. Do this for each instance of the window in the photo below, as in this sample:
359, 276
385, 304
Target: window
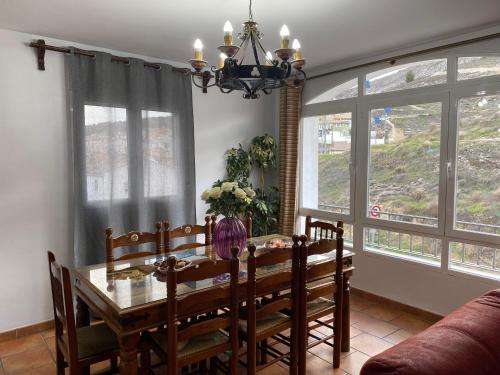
106, 153
345, 90
475, 259
326, 162
478, 66
415, 174
407, 76
477, 201
404, 245
158, 153
403, 166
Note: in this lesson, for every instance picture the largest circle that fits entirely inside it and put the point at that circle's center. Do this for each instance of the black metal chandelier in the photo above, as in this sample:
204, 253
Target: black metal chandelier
265, 74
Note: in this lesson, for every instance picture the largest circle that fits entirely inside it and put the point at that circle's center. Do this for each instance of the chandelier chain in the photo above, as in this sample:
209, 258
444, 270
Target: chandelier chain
250, 13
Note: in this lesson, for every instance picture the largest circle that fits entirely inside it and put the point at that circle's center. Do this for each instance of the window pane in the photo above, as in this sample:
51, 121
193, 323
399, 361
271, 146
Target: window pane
345, 90
158, 153
407, 76
478, 66
476, 259
408, 246
326, 158
403, 170
106, 153
477, 204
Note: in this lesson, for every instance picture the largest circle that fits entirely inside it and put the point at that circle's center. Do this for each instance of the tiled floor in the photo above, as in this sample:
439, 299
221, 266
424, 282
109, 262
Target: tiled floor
374, 328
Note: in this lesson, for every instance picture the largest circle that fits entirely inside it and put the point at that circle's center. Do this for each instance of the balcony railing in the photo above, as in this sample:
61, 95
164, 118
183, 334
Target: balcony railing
471, 257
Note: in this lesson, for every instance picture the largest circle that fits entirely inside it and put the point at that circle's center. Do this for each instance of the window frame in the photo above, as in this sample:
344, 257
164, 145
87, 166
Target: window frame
364, 154
448, 93
456, 95
325, 109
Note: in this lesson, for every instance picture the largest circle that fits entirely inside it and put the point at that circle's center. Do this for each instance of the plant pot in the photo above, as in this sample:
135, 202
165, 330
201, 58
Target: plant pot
229, 232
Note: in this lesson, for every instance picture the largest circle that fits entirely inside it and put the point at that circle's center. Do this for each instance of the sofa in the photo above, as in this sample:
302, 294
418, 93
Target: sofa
465, 342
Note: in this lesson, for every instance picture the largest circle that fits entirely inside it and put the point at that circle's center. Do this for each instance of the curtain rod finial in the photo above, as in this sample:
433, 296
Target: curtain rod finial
40, 46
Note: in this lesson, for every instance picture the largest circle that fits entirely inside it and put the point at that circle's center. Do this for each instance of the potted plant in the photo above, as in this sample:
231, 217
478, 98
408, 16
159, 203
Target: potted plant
231, 199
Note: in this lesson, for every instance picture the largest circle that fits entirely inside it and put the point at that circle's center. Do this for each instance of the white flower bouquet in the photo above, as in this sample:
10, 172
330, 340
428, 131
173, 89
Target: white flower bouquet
228, 198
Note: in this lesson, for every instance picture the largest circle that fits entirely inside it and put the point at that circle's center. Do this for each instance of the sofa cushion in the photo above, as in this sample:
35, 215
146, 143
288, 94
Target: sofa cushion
465, 342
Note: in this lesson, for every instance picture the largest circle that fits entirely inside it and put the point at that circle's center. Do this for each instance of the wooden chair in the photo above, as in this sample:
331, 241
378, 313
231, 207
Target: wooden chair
77, 348
321, 229
187, 230
267, 320
248, 223
321, 288
133, 239
184, 344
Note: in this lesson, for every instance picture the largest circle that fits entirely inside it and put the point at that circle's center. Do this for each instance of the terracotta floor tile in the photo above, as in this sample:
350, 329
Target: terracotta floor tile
49, 369
385, 313
352, 363
375, 327
325, 352
410, 323
369, 344
354, 332
398, 336
48, 333
11, 347
359, 303
315, 366
26, 361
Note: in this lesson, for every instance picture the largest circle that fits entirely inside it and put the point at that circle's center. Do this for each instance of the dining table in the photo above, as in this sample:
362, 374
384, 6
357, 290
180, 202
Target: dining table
131, 295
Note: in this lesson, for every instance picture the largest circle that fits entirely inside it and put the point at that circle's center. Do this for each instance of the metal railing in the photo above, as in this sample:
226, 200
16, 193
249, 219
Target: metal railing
482, 258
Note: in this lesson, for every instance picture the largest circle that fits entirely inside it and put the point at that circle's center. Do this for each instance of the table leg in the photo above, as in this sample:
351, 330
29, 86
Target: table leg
82, 313
346, 317
128, 354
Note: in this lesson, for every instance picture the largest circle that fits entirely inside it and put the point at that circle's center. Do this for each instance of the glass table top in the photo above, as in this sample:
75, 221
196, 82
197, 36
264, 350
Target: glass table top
131, 283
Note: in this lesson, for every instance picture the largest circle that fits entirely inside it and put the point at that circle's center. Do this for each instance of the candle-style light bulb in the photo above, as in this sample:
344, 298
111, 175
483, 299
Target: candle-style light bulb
284, 33
222, 59
228, 33
198, 49
296, 47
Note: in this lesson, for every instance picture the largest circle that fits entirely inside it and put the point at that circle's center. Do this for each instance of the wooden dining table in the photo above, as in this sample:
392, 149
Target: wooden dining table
130, 296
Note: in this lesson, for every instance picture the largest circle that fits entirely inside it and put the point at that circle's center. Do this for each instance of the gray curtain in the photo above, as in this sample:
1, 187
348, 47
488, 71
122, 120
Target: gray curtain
132, 144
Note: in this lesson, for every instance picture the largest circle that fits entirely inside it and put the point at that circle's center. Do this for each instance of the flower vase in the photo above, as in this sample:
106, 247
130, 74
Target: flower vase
229, 232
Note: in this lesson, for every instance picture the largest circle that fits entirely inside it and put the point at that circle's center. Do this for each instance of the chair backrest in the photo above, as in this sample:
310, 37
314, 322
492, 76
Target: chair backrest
133, 239
325, 285
248, 223
62, 302
206, 300
187, 230
317, 230
286, 279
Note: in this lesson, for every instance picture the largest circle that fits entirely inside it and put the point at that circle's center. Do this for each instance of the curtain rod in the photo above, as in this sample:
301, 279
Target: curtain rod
392, 60
42, 47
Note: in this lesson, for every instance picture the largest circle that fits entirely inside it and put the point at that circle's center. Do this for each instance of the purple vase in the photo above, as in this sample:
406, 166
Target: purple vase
229, 232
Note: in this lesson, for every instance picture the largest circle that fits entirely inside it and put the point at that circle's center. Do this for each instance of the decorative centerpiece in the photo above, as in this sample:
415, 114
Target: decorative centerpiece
231, 199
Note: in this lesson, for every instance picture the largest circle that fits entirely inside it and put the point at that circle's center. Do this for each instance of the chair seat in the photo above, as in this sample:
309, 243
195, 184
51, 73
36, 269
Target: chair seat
94, 340
319, 306
193, 345
267, 323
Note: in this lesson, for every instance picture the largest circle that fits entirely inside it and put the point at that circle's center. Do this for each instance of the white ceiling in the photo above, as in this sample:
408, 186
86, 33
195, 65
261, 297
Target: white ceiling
329, 30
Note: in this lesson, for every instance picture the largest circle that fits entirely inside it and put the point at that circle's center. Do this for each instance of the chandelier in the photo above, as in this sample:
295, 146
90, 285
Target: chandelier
267, 72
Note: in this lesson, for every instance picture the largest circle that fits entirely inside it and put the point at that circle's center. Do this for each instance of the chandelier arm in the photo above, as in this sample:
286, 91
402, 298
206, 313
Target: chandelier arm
245, 42
225, 92
200, 86
266, 91
259, 67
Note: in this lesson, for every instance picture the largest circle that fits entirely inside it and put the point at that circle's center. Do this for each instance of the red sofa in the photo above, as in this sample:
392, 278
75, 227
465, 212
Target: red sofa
466, 342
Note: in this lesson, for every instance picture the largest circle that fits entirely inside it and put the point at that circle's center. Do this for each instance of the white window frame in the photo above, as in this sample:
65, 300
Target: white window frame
448, 94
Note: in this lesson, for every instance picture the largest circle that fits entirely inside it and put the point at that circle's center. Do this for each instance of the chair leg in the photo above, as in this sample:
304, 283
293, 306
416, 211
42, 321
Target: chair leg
213, 366
114, 363
60, 362
263, 351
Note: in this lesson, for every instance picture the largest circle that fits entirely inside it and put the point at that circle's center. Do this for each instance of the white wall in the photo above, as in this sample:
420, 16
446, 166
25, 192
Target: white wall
34, 194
